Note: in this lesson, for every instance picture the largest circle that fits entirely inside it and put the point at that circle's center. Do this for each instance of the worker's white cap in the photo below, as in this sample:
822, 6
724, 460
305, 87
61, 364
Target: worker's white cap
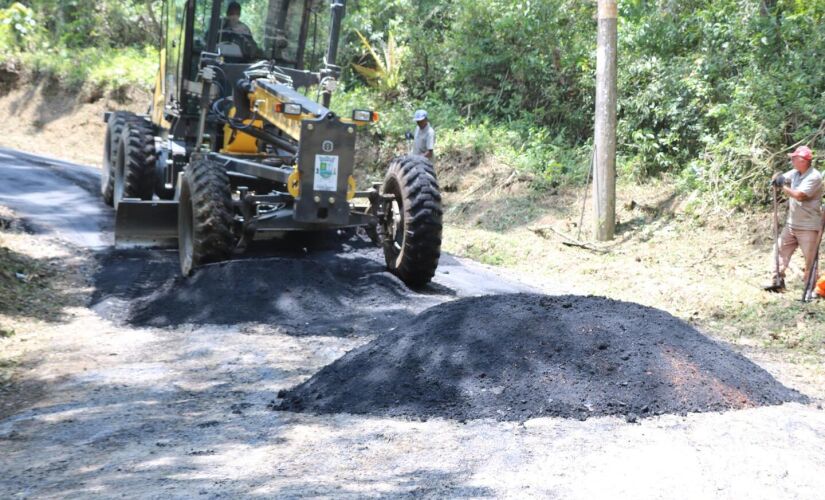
420, 115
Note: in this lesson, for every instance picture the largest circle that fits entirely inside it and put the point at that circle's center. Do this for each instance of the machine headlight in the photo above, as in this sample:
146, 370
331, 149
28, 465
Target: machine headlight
364, 115
289, 108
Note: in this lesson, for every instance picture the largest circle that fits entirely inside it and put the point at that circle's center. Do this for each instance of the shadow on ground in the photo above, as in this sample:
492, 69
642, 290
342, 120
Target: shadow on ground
645, 215
136, 439
521, 356
46, 101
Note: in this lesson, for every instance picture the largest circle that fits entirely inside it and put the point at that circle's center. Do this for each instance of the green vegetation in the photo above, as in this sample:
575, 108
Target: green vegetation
106, 45
711, 92
386, 75
101, 68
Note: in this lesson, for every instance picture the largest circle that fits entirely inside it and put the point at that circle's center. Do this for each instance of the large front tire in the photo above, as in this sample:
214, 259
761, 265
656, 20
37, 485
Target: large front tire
412, 225
205, 216
114, 130
135, 163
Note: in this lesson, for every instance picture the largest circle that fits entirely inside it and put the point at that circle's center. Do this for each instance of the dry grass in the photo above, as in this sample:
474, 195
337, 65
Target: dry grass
39, 283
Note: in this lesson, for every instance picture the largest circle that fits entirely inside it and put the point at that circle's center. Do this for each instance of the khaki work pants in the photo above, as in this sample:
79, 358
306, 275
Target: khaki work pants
789, 240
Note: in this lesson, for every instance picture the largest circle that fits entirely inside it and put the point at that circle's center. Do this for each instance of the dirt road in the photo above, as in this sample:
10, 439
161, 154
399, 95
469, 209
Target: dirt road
163, 387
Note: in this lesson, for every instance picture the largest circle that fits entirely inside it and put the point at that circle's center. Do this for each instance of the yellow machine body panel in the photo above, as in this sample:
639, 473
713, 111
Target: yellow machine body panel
159, 96
265, 103
236, 141
294, 183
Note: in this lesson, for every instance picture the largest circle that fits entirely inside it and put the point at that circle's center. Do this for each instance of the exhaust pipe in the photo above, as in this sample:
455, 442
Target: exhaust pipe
331, 70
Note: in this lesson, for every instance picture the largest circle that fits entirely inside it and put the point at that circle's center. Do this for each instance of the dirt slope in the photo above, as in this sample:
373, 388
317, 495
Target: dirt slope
44, 119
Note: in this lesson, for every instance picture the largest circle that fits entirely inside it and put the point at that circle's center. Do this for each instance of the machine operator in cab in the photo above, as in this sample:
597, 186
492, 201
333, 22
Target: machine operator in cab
234, 31
232, 22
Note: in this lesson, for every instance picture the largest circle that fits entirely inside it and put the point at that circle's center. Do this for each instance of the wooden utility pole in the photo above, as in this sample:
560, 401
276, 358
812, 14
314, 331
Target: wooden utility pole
604, 172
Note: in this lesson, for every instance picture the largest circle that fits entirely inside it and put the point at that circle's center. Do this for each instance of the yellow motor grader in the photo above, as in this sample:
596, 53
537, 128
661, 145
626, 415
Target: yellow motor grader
234, 145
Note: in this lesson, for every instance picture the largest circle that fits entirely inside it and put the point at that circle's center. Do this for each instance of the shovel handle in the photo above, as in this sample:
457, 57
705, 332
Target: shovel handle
776, 231
812, 267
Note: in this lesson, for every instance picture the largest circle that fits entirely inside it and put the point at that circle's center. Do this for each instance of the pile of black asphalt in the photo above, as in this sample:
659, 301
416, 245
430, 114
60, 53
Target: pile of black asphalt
330, 289
520, 356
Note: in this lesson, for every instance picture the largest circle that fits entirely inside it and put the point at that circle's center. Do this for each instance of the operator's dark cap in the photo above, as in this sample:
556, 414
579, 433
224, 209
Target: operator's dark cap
232, 7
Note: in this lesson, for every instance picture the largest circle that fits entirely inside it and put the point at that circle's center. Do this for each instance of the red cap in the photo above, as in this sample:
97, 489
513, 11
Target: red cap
803, 152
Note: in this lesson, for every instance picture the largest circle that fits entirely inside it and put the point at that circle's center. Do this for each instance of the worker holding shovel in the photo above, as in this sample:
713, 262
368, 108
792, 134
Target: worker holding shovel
803, 186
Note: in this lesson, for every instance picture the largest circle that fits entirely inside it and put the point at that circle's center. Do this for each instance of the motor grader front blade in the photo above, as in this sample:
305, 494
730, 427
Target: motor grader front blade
147, 224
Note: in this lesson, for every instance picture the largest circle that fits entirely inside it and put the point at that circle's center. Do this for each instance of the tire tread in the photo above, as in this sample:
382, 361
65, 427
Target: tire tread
140, 156
114, 130
212, 212
421, 199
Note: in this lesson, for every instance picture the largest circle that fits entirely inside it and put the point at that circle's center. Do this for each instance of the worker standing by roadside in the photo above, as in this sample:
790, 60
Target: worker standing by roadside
803, 186
424, 138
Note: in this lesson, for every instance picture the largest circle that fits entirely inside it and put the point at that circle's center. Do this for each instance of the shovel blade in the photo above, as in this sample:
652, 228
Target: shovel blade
146, 224
778, 286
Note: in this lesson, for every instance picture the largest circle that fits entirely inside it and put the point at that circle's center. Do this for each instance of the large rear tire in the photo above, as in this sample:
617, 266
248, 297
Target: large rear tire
114, 130
135, 162
412, 225
205, 216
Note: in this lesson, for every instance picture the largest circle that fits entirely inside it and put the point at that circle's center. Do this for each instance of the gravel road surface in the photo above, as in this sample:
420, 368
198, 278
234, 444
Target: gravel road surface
168, 388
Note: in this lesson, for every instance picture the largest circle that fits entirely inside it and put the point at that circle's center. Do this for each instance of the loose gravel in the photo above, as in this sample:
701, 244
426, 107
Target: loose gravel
520, 356
340, 292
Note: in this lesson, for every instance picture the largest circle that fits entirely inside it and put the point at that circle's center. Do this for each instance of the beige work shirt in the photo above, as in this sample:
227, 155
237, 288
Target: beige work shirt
424, 140
805, 214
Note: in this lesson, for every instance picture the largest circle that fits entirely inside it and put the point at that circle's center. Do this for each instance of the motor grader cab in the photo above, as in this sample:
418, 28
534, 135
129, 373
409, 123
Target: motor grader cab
239, 142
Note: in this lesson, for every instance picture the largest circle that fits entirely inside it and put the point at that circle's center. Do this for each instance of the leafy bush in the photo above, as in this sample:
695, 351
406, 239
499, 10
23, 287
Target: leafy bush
520, 145
78, 24
103, 69
102, 45
715, 91
19, 30
385, 72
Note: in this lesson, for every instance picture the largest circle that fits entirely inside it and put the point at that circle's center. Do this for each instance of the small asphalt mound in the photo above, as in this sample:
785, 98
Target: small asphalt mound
331, 292
521, 356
